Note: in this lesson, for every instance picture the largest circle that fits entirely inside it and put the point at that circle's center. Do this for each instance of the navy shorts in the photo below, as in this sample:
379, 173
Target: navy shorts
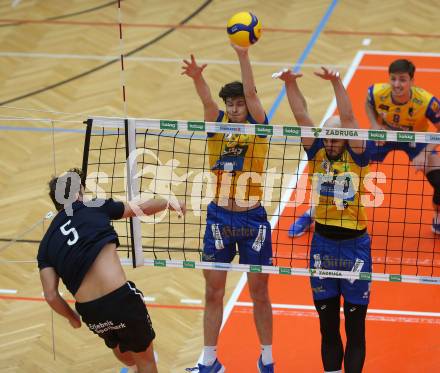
120, 318
379, 152
249, 230
342, 255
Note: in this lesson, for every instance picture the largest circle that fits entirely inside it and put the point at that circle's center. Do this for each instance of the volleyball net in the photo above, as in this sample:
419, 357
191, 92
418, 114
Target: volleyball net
129, 159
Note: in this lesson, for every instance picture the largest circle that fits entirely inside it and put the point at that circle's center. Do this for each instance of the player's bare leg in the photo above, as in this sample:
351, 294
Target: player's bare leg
145, 361
214, 293
258, 288
124, 357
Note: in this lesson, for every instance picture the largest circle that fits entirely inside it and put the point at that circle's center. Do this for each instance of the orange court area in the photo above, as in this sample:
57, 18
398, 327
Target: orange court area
403, 323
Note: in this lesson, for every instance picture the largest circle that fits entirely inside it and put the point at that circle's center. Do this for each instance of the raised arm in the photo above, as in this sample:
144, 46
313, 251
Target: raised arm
297, 102
195, 72
345, 109
372, 114
151, 207
253, 102
49, 281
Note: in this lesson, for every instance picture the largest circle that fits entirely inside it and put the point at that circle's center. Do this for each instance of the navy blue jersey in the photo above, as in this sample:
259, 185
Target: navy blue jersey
72, 243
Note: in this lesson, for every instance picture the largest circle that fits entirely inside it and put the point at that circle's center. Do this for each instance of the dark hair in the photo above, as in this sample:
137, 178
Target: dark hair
230, 90
68, 185
402, 66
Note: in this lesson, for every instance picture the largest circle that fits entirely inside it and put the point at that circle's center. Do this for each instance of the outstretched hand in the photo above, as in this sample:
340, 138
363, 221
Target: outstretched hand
286, 75
239, 49
327, 74
177, 206
192, 69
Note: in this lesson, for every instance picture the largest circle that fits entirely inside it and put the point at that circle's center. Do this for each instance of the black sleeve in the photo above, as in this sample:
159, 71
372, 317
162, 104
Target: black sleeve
113, 209
42, 257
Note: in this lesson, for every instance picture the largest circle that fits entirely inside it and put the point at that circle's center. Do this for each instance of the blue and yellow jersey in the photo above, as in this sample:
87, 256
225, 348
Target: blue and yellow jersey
337, 186
238, 162
412, 116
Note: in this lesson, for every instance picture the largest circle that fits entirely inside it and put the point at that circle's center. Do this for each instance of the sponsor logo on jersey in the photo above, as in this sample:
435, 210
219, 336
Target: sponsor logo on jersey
384, 107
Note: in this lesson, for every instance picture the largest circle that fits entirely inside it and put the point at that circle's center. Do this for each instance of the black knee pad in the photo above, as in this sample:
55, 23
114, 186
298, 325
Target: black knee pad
434, 179
355, 315
329, 319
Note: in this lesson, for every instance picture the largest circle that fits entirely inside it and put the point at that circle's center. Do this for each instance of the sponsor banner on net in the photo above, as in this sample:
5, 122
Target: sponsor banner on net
263, 129
325, 273
160, 263
291, 131
196, 126
429, 280
285, 271
433, 138
255, 268
238, 128
168, 124
377, 135
395, 278
406, 136
340, 132
365, 276
316, 131
189, 264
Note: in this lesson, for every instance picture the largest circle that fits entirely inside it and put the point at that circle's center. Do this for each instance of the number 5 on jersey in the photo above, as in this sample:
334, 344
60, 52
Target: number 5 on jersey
66, 232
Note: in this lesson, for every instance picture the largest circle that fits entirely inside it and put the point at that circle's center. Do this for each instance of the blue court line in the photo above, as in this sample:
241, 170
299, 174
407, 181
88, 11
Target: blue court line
304, 55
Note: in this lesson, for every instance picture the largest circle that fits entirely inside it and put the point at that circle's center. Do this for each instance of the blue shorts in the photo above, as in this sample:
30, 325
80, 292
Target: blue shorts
379, 152
249, 230
341, 255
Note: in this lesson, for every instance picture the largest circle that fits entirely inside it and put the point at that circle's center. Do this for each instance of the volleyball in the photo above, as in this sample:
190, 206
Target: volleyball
244, 29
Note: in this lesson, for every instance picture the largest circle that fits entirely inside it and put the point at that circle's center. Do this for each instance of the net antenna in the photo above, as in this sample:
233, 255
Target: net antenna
133, 190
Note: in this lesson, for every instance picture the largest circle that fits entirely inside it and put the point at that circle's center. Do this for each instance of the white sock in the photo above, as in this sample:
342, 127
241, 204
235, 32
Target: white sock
209, 355
266, 354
